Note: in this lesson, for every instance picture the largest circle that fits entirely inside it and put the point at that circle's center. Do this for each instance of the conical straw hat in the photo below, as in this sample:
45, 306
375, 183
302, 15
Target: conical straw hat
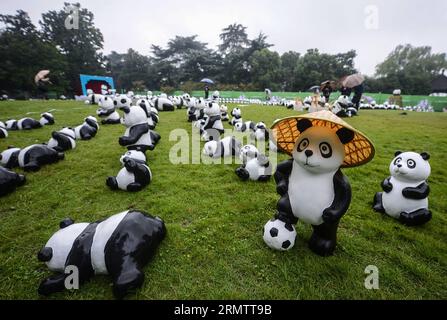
357, 152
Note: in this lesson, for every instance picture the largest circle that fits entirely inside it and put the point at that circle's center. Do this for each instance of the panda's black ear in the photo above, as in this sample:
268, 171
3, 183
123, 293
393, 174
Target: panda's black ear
303, 124
397, 153
10, 147
345, 135
425, 156
45, 254
65, 223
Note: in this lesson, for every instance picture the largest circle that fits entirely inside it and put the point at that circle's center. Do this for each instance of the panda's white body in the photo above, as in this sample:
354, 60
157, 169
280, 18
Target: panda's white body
11, 124
46, 119
124, 178
3, 131
256, 169
303, 186
22, 153
145, 139
394, 202
69, 133
222, 148
247, 153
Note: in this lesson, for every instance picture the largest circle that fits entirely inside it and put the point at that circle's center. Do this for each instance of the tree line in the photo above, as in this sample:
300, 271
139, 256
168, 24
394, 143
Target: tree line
238, 63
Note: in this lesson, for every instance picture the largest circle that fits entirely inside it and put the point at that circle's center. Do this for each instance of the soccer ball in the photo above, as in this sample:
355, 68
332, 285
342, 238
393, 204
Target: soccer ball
279, 235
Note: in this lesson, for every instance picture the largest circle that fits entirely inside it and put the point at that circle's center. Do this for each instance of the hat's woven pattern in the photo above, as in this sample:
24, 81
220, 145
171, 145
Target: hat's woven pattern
357, 152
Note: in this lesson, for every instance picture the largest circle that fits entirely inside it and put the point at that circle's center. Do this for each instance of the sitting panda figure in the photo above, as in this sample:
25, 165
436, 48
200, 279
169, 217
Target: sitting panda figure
248, 126
137, 136
46, 118
30, 158
163, 104
212, 127
119, 246
28, 124
93, 98
179, 102
88, 129
107, 111
312, 188
134, 176
257, 168
343, 107
236, 116
224, 113
196, 110
228, 146
3, 131
247, 153
405, 195
63, 139
9, 181
11, 124
215, 96
261, 132
152, 119
123, 100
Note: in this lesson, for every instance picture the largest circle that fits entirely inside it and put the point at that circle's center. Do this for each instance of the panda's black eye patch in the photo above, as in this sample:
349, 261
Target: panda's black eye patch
411, 163
303, 145
397, 161
326, 150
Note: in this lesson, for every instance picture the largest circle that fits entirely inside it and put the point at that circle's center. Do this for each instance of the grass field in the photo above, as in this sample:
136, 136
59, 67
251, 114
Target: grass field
214, 248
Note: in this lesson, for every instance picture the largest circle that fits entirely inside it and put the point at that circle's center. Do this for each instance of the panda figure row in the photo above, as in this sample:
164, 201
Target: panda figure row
46, 118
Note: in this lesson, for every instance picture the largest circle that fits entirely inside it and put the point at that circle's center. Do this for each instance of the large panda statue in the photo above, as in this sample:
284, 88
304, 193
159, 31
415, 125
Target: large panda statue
137, 136
405, 195
107, 111
63, 140
119, 246
257, 168
311, 184
9, 181
3, 130
228, 146
88, 129
30, 158
28, 124
135, 174
46, 118
212, 127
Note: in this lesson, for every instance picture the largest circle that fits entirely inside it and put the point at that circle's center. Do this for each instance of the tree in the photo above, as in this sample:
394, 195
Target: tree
410, 69
289, 63
81, 46
265, 69
234, 37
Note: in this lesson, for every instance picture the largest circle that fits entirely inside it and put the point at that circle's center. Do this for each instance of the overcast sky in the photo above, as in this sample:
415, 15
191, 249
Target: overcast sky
331, 26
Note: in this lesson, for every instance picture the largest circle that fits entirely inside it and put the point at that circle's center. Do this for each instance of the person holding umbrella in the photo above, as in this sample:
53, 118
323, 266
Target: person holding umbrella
326, 88
207, 88
354, 82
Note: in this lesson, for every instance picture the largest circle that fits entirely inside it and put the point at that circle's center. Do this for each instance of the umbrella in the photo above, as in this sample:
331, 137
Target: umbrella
206, 80
353, 80
41, 76
314, 88
331, 83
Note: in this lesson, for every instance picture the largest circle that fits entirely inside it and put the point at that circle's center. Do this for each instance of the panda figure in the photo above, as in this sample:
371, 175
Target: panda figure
137, 136
216, 95
179, 102
236, 116
228, 146
312, 188
9, 181
30, 158
93, 98
46, 118
134, 176
261, 132
152, 119
88, 129
162, 103
3, 131
343, 107
107, 111
258, 168
248, 126
213, 126
63, 139
11, 124
119, 246
405, 195
224, 113
247, 153
28, 124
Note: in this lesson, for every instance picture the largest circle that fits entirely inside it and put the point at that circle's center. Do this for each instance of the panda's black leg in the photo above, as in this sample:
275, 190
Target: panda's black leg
242, 173
130, 278
134, 187
32, 166
377, 205
264, 178
415, 218
324, 239
52, 284
285, 212
112, 183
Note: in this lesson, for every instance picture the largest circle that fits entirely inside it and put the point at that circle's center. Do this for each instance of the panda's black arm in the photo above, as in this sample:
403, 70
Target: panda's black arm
417, 193
342, 199
52, 284
281, 176
387, 186
102, 112
209, 124
135, 133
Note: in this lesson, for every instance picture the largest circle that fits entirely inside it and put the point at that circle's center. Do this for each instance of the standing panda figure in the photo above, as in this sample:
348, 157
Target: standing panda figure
88, 129
213, 127
46, 118
32, 157
107, 111
134, 176
119, 246
228, 146
257, 168
28, 124
137, 136
236, 116
311, 184
3, 131
405, 195
62, 140
9, 181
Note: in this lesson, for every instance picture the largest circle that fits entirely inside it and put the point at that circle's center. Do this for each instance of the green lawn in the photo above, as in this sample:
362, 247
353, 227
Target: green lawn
214, 248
